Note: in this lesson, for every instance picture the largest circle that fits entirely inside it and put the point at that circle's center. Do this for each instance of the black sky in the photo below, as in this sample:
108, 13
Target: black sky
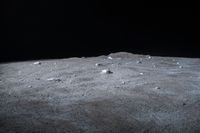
61, 29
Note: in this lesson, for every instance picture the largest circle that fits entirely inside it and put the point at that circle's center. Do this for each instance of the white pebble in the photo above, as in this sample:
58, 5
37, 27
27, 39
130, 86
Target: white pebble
98, 64
106, 71
123, 82
180, 66
157, 88
29, 86
149, 57
54, 79
110, 58
37, 63
141, 73
177, 63
139, 62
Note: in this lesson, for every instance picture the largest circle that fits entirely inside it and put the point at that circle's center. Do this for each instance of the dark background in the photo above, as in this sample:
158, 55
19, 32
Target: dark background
61, 29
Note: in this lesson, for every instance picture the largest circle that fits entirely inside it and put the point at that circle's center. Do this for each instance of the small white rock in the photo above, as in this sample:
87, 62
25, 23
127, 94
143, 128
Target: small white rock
98, 64
106, 71
157, 88
123, 82
180, 66
149, 57
139, 62
110, 58
177, 63
37, 63
54, 79
50, 79
29, 86
141, 73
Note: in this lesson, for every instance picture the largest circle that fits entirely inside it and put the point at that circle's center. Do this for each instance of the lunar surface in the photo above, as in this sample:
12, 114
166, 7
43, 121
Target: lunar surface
116, 93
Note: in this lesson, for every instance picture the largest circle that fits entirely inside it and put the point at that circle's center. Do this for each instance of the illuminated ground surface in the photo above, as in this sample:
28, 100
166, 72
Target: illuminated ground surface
158, 94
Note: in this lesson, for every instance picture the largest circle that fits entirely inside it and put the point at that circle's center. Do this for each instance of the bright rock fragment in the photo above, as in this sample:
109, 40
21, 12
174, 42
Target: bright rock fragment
98, 64
110, 58
54, 79
123, 82
141, 73
157, 88
180, 66
106, 71
148, 57
30, 86
37, 63
139, 62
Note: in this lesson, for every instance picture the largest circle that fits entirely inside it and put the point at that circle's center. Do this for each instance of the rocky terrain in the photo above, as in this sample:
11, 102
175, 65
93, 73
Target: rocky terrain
116, 93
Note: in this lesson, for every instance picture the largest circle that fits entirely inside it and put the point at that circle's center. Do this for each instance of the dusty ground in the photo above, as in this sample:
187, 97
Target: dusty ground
142, 95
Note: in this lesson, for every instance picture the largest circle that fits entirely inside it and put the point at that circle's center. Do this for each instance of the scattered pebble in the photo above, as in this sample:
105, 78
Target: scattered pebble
29, 86
184, 104
110, 58
157, 88
177, 63
149, 57
123, 82
106, 71
180, 66
98, 64
37, 63
54, 79
139, 62
141, 73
